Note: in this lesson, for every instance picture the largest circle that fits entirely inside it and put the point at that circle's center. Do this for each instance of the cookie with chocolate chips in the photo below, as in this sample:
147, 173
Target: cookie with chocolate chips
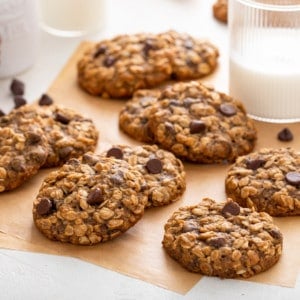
267, 180
134, 116
89, 200
201, 125
68, 133
116, 68
23, 150
163, 172
222, 239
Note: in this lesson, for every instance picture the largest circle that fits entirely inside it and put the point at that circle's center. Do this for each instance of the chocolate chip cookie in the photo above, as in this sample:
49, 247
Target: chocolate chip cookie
163, 172
23, 150
134, 116
89, 200
68, 133
116, 68
267, 180
201, 125
222, 239
220, 10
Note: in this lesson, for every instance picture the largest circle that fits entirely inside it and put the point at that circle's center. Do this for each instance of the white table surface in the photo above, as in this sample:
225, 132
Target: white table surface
25, 275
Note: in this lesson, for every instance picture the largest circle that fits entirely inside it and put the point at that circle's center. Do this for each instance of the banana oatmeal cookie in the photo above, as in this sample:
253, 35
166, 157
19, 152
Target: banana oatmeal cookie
89, 200
222, 239
116, 68
201, 125
220, 10
134, 116
163, 172
23, 150
68, 133
267, 180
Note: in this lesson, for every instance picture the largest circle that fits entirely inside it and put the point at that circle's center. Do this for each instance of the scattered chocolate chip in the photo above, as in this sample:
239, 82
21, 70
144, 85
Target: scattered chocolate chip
276, 234
118, 178
227, 109
95, 197
175, 102
109, 61
45, 100
65, 152
101, 50
169, 128
33, 138
173, 76
231, 208
254, 164
44, 207
154, 166
197, 126
19, 101
293, 178
62, 119
217, 242
187, 102
17, 87
190, 63
285, 135
73, 161
189, 226
2, 113
115, 152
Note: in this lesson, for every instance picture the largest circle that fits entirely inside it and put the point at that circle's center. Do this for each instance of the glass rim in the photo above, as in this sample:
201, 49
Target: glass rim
270, 7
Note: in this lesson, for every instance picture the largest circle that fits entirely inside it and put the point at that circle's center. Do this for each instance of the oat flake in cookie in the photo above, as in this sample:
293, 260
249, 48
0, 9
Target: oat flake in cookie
89, 201
23, 150
116, 68
222, 239
68, 133
163, 172
267, 180
201, 125
134, 117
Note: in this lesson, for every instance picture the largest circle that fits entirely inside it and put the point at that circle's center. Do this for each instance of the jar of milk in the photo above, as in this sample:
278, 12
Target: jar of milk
18, 36
264, 58
71, 18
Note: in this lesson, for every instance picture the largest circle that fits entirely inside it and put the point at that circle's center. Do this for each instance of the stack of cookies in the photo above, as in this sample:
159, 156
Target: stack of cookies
97, 197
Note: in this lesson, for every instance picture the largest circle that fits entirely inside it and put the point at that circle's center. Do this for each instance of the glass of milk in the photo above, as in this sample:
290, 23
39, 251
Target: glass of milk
71, 18
264, 68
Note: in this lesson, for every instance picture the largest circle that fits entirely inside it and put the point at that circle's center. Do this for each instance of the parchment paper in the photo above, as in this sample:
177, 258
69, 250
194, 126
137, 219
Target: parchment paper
138, 252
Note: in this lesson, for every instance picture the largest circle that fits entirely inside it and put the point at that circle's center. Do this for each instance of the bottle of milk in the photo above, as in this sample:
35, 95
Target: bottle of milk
18, 36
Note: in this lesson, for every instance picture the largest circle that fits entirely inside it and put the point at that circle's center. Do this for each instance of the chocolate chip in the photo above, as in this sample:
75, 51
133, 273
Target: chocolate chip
17, 165
19, 101
254, 164
170, 128
190, 63
73, 162
117, 178
231, 208
293, 178
188, 44
2, 113
95, 197
173, 76
187, 102
89, 159
189, 226
276, 234
148, 45
65, 152
227, 109
33, 138
154, 166
109, 61
217, 242
197, 126
17, 87
44, 207
101, 50
115, 152
285, 135
62, 119
45, 100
